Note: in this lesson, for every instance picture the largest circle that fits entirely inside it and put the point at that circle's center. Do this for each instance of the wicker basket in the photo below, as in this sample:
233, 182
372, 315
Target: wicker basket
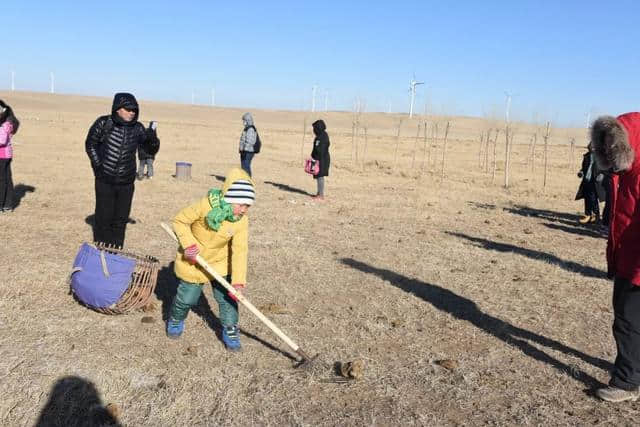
143, 282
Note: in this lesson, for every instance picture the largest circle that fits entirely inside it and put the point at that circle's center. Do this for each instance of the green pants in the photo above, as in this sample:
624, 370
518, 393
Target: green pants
188, 295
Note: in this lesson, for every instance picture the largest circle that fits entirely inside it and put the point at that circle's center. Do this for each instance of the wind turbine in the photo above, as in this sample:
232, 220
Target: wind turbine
412, 89
509, 95
52, 82
588, 119
13, 81
326, 100
213, 97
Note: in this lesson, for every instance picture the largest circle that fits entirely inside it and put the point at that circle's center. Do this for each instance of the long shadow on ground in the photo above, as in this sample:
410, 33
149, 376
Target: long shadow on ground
571, 266
561, 217
75, 401
581, 231
20, 191
165, 291
464, 309
285, 187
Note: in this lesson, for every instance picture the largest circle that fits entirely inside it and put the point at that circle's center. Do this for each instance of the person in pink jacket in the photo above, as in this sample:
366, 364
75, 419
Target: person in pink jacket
9, 125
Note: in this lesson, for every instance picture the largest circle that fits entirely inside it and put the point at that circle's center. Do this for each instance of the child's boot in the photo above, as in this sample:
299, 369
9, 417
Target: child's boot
231, 337
175, 328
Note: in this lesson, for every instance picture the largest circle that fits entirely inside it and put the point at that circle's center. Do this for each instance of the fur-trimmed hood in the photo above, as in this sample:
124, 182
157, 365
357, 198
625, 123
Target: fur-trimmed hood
611, 143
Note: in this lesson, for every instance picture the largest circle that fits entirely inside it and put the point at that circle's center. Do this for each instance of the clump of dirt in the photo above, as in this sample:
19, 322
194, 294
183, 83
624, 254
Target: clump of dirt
353, 370
448, 364
149, 307
190, 351
113, 410
272, 308
147, 319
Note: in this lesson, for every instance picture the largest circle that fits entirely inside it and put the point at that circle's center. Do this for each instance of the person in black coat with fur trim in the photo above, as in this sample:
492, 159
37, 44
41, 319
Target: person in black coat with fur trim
591, 188
321, 153
111, 145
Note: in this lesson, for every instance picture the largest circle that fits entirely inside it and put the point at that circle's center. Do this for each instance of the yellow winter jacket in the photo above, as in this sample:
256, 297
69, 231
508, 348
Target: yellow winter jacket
225, 250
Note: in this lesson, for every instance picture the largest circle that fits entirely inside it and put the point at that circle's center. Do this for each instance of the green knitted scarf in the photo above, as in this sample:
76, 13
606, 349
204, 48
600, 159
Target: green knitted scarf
220, 210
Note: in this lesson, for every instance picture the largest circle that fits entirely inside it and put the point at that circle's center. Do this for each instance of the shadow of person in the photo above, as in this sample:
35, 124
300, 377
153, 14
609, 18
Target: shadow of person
285, 187
20, 191
561, 217
218, 177
581, 231
75, 402
571, 266
464, 309
166, 288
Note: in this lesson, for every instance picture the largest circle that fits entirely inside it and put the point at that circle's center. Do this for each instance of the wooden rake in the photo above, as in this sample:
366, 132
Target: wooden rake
302, 360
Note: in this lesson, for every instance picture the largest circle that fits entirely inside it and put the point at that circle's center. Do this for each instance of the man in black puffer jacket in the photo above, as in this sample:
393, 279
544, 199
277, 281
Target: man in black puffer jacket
111, 145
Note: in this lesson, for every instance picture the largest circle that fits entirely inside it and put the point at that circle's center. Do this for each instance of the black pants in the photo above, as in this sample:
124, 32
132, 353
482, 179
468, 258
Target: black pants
606, 213
113, 206
626, 331
6, 184
591, 206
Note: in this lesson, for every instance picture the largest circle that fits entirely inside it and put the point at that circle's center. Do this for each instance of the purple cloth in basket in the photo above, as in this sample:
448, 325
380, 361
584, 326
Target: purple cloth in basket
91, 285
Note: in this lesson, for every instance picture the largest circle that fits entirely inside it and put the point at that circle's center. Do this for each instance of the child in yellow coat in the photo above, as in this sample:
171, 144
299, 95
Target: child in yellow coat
217, 228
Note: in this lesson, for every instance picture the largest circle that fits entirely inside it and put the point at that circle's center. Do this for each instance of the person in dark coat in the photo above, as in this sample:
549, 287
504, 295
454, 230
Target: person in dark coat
320, 153
616, 144
111, 145
146, 158
591, 189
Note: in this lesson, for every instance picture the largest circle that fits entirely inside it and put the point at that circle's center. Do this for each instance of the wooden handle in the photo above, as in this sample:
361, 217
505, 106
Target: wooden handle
202, 263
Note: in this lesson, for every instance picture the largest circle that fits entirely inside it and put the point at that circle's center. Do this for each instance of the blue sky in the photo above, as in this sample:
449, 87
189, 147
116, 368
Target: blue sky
560, 59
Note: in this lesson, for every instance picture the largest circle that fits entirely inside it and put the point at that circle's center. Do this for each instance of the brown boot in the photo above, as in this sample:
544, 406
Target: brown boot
585, 219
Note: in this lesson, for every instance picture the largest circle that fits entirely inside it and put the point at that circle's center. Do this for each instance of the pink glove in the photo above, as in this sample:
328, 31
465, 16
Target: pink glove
238, 287
191, 253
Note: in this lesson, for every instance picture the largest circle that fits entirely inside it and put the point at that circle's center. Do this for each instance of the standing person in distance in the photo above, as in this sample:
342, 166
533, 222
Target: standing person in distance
616, 143
590, 189
111, 144
146, 158
9, 125
320, 153
249, 142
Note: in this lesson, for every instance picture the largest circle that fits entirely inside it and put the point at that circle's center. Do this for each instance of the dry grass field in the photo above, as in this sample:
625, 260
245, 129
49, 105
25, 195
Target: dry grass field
470, 304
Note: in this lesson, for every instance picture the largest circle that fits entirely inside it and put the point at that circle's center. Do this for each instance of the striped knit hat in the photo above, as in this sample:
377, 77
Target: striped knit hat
240, 192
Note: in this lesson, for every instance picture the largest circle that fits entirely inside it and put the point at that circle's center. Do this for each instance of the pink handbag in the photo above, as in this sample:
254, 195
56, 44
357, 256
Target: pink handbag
312, 166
